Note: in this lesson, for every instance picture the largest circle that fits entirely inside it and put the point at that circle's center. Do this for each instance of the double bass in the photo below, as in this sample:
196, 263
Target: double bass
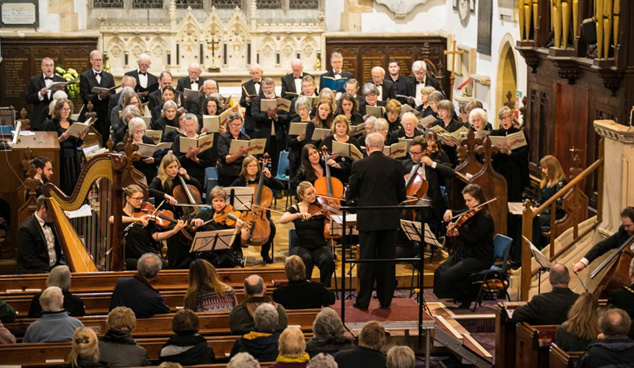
257, 218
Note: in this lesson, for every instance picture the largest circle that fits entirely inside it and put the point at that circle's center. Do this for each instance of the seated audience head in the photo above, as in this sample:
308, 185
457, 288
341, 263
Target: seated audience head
582, 317
170, 365
372, 336
401, 357
254, 286
328, 325
243, 360
203, 278
559, 276
351, 87
185, 323
85, 346
52, 299
60, 277
478, 118
374, 142
552, 171
265, 318
295, 269
614, 322
121, 319
322, 360
292, 343
149, 265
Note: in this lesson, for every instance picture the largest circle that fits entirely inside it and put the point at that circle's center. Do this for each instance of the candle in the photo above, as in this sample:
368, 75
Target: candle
224, 54
249, 53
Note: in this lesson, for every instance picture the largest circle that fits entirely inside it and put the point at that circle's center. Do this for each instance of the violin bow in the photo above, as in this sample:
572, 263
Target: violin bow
269, 209
157, 208
476, 207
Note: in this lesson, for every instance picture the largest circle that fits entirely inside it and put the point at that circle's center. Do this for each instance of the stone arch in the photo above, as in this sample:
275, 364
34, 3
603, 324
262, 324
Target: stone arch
308, 52
188, 37
116, 48
506, 78
158, 50
237, 39
267, 51
136, 47
288, 52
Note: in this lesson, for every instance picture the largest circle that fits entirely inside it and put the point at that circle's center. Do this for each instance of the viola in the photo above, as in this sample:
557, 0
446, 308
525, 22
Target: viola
257, 217
162, 218
465, 216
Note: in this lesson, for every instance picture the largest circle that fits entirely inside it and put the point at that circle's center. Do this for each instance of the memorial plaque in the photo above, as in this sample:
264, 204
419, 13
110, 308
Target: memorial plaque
19, 13
360, 54
485, 16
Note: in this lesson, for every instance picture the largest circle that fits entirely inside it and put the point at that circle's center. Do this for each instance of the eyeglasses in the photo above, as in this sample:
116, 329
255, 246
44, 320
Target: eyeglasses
506, 117
415, 153
137, 198
252, 166
65, 110
138, 131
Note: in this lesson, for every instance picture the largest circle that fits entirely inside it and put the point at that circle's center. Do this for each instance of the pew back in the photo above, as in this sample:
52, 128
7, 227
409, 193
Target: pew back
533, 344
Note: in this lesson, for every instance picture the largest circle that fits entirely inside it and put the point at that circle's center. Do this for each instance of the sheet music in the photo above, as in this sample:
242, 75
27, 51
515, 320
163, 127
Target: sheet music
205, 241
540, 258
414, 229
240, 197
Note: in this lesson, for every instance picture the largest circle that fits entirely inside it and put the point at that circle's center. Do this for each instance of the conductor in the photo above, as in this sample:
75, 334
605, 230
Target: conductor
377, 181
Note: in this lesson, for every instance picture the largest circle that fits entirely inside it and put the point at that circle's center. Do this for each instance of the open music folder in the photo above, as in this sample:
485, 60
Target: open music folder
206, 241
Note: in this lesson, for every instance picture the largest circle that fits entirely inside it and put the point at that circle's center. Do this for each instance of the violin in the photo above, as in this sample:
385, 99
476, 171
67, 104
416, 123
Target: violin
464, 217
262, 199
322, 208
227, 217
162, 218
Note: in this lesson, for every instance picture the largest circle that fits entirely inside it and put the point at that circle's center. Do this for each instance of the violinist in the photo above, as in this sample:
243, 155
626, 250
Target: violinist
194, 161
229, 165
140, 233
310, 222
250, 175
219, 218
311, 167
474, 231
296, 142
339, 165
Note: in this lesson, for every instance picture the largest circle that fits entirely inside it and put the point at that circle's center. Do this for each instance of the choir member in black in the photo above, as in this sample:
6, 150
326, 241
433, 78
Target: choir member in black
292, 82
323, 119
370, 98
115, 99
478, 119
168, 118
409, 129
270, 124
250, 89
194, 161
128, 97
425, 109
162, 188
230, 164
43, 173
384, 86
146, 165
512, 164
393, 110
474, 253
463, 116
310, 244
336, 62
421, 79
308, 89
402, 85
69, 158
146, 82
156, 98
88, 80
221, 258
297, 142
129, 112
250, 175
212, 106
448, 122
39, 96
140, 233
381, 126
369, 128
348, 107
311, 168
340, 166
352, 87
168, 93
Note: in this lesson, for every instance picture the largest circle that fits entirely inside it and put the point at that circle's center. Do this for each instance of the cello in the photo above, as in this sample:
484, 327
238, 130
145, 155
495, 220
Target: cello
257, 218
617, 275
329, 187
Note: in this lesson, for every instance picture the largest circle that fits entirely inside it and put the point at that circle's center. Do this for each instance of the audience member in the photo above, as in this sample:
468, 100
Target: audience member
368, 354
170, 365
241, 317
401, 357
301, 293
292, 345
549, 308
322, 360
55, 324
205, 291
262, 343
188, 347
7, 313
85, 349
582, 325
612, 348
329, 335
137, 292
624, 298
243, 360
117, 347
60, 277
6, 337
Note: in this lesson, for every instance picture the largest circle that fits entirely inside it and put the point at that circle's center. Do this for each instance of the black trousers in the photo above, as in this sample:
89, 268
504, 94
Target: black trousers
451, 279
380, 244
322, 257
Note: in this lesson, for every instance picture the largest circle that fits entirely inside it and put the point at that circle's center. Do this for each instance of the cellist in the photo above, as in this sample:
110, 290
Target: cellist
250, 175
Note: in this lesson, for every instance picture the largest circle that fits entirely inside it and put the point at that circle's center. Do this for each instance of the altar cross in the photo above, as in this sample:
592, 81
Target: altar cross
452, 78
213, 43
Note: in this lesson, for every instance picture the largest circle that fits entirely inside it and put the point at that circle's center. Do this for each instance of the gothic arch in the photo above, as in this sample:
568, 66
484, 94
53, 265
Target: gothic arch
506, 79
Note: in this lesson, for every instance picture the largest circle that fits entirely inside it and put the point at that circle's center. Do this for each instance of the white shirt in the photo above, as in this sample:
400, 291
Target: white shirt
97, 77
380, 88
47, 82
337, 74
142, 79
298, 84
256, 86
50, 241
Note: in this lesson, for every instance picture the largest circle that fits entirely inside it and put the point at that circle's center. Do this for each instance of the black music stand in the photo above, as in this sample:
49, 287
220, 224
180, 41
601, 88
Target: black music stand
351, 224
542, 261
209, 241
240, 197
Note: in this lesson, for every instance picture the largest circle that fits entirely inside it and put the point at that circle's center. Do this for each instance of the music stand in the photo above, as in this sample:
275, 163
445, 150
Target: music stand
542, 261
209, 241
351, 223
421, 234
240, 197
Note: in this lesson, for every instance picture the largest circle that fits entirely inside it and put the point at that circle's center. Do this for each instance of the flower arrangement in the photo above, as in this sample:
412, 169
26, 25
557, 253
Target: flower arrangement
72, 76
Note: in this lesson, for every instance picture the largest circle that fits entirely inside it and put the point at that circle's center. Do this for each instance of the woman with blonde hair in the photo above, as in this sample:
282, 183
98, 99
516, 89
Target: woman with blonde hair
85, 349
205, 291
324, 115
60, 277
582, 325
553, 180
292, 346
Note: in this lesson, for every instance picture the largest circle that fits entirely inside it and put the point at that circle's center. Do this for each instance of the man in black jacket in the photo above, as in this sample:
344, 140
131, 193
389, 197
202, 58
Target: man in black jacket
38, 95
377, 180
421, 79
146, 82
385, 86
38, 247
336, 61
193, 80
613, 348
549, 308
250, 90
91, 78
624, 298
368, 354
292, 82
402, 84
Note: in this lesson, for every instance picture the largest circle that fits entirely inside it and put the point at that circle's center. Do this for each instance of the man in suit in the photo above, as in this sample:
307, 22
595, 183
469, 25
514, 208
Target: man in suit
402, 85
269, 124
612, 348
96, 77
336, 61
38, 247
385, 87
251, 89
624, 298
156, 98
38, 95
208, 88
146, 83
376, 180
612, 242
193, 81
292, 82
421, 79
352, 87
549, 308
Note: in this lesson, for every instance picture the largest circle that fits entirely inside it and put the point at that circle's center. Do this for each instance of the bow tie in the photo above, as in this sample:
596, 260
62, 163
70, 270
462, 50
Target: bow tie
256, 82
196, 81
46, 225
423, 82
298, 77
49, 78
142, 73
378, 85
98, 74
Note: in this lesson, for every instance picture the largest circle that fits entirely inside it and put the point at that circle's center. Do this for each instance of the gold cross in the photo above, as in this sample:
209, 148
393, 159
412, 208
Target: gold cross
453, 54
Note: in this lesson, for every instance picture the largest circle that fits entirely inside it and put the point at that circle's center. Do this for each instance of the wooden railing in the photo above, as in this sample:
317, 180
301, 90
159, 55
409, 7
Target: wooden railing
572, 192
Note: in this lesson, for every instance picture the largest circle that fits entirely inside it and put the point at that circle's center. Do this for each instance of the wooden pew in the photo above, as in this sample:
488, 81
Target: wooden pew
211, 323
562, 359
533, 345
505, 334
105, 281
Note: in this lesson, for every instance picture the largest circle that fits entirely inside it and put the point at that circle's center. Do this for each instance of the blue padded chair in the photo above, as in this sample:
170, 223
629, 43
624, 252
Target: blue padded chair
6, 129
211, 180
282, 168
501, 251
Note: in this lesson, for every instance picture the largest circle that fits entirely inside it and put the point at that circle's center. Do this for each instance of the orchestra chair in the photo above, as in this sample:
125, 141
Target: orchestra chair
501, 251
211, 180
292, 236
282, 168
6, 129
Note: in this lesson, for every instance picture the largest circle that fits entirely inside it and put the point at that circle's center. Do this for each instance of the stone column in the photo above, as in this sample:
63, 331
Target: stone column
68, 19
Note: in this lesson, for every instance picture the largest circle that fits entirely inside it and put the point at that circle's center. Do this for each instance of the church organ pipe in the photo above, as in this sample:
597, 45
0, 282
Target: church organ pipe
615, 20
565, 24
575, 18
556, 21
598, 8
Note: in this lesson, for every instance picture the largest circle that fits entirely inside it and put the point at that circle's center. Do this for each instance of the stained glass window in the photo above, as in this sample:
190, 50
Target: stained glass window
269, 4
226, 4
195, 4
303, 4
107, 4
147, 4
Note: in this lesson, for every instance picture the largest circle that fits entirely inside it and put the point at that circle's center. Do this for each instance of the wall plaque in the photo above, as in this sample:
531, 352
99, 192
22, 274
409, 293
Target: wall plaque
485, 17
19, 13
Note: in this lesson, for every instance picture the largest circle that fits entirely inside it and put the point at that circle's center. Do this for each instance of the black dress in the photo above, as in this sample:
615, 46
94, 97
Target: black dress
228, 172
310, 246
149, 170
69, 156
513, 167
72, 304
228, 258
294, 152
138, 240
342, 174
206, 159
